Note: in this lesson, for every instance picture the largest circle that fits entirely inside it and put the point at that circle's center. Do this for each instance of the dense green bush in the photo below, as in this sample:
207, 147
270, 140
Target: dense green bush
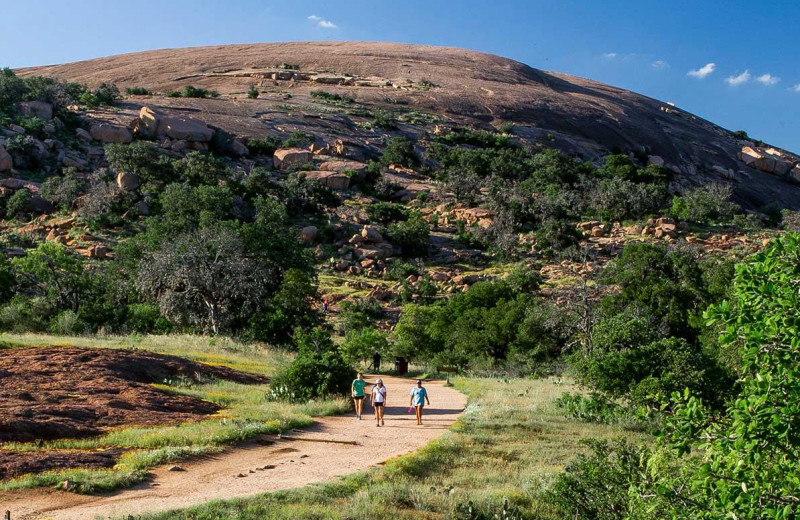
359, 345
62, 190
264, 146
708, 204
190, 91
252, 92
18, 205
411, 235
317, 371
359, 314
137, 91
399, 151
386, 212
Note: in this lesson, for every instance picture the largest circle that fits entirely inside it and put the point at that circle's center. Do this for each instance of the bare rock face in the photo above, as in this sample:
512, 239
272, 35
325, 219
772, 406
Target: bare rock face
6, 162
38, 109
285, 158
128, 181
768, 160
106, 133
333, 180
342, 165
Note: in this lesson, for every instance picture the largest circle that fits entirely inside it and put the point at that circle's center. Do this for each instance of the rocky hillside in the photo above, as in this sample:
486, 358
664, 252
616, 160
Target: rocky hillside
424, 86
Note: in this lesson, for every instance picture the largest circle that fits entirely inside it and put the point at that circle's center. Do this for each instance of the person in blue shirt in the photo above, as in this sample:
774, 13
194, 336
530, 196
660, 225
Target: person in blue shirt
418, 398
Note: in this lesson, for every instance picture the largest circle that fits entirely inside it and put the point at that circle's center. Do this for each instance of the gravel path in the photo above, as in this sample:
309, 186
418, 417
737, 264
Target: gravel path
311, 455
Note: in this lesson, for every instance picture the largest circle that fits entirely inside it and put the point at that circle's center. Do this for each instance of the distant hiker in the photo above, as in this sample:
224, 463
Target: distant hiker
324, 306
378, 401
357, 390
418, 397
376, 361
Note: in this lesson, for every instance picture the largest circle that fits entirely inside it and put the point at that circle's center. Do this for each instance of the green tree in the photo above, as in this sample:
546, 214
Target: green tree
749, 455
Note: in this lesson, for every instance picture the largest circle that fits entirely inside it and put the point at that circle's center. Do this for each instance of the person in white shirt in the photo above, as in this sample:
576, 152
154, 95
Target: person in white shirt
378, 401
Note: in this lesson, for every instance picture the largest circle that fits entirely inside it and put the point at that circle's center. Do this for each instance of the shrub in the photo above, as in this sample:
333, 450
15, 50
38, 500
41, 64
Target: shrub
137, 91
25, 152
411, 235
620, 199
252, 92
68, 323
298, 139
190, 91
524, 279
106, 94
62, 191
330, 97
264, 146
384, 120
707, 204
556, 235
317, 371
359, 314
790, 220
400, 152
19, 204
386, 212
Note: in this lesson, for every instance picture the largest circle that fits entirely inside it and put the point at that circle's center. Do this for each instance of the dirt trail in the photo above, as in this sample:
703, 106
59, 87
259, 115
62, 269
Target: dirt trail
285, 464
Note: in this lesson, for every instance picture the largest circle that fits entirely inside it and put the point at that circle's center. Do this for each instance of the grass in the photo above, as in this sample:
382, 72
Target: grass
509, 444
245, 412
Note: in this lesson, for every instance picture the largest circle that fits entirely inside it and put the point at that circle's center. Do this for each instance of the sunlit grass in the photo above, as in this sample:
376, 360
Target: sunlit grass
510, 443
245, 411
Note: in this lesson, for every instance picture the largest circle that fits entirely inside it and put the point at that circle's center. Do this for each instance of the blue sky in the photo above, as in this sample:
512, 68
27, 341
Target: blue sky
647, 46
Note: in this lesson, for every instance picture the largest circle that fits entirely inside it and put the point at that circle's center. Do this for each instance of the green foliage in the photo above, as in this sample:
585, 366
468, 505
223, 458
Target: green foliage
62, 190
411, 235
331, 97
190, 91
488, 322
106, 94
18, 204
386, 212
25, 152
524, 279
145, 160
399, 151
358, 314
621, 199
707, 204
477, 138
264, 146
748, 465
317, 371
137, 91
298, 139
384, 120
252, 92
198, 168
303, 196
6, 280
360, 344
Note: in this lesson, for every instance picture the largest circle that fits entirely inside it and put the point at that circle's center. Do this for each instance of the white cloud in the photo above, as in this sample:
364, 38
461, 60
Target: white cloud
795, 88
703, 71
744, 77
610, 55
323, 23
660, 64
767, 79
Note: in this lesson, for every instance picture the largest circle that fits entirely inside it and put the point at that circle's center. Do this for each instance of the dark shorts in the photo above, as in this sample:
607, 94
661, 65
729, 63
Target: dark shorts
377, 405
358, 397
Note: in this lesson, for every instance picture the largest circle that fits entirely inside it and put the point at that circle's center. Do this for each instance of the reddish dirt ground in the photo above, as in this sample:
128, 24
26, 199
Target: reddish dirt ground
70, 392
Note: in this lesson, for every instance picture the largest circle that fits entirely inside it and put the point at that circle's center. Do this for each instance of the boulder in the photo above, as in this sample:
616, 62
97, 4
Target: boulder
782, 167
39, 109
333, 180
99, 252
6, 162
371, 234
437, 276
74, 162
342, 165
13, 183
598, 231
107, 133
587, 226
239, 148
186, 129
309, 234
794, 174
128, 181
285, 158
655, 159
83, 134
148, 121
40, 205
143, 208
156, 124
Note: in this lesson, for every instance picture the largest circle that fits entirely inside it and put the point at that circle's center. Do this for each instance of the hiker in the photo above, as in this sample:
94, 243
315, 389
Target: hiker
324, 306
376, 361
418, 397
378, 401
357, 391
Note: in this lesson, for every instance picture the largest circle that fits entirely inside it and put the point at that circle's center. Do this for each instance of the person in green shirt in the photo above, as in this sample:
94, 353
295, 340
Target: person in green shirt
357, 391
